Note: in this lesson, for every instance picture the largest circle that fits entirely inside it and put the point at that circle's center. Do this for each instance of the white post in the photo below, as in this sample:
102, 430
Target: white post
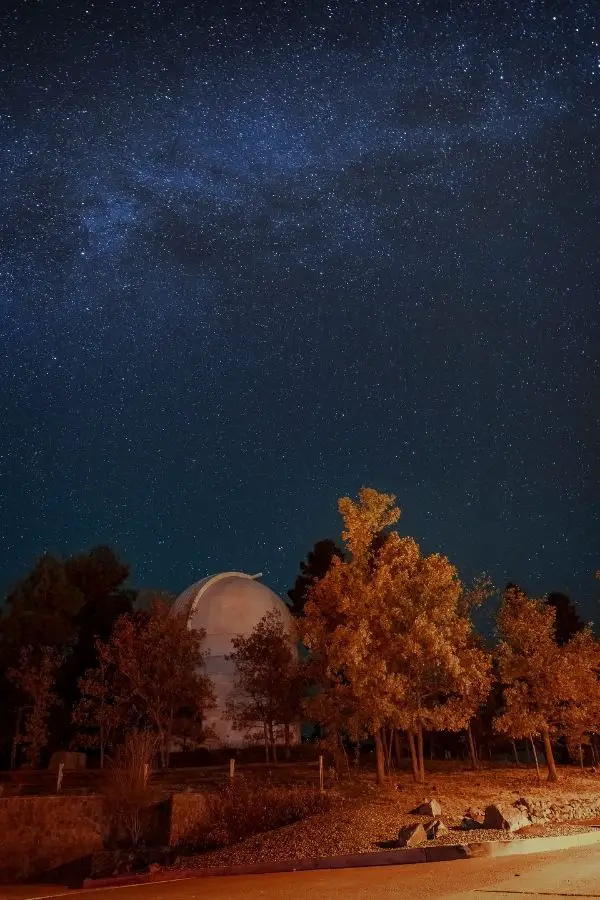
59, 777
231, 769
321, 780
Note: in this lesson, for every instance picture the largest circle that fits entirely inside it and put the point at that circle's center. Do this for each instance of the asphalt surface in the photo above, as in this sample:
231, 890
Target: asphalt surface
569, 873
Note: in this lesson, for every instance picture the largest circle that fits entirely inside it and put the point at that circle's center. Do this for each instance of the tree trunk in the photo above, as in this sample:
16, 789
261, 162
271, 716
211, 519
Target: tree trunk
384, 745
535, 756
514, 746
472, 753
397, 748
552, 774
390, 749
16, 738
379, 758
266, 734
162, 749
420, 757
288, 740
169, 740
102, 746
413, 754
272, 742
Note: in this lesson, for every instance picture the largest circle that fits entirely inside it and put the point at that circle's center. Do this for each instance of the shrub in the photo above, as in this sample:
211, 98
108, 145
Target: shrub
127, 792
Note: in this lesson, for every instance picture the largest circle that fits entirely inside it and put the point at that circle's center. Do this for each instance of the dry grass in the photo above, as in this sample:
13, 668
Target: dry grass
249, 807
128, 795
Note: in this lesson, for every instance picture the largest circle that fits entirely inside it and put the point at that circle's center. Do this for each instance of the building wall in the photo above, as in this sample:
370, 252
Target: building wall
224, 606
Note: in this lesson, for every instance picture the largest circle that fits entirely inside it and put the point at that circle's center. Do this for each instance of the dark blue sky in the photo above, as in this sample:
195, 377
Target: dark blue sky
256, 255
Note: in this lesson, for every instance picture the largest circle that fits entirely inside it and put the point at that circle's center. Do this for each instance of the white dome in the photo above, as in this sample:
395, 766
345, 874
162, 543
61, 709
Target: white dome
226, 605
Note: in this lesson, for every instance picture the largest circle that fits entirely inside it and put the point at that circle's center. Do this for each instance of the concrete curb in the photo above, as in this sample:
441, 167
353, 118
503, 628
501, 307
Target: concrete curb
440, 853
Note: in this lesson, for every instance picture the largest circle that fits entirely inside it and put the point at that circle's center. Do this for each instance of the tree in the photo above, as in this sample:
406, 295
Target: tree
343, 629
102, 708
150, 669
550, 689
99, 576
567, 619
316, 566
446, 672
390, 631
65, 605
35, 679
268, 685
42, 609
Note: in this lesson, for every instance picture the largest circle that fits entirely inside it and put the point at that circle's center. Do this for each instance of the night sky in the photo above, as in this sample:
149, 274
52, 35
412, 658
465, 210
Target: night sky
256, 255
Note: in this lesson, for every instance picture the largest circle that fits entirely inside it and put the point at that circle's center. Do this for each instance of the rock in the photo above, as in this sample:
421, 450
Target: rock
434, 828
411, 835
474, 812
472, 819
428, 808
500, 816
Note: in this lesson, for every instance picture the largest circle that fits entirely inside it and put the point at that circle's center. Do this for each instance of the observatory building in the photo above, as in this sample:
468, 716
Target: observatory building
224, 606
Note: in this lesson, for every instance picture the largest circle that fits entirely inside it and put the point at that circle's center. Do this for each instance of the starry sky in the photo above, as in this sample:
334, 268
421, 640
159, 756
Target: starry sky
255, 255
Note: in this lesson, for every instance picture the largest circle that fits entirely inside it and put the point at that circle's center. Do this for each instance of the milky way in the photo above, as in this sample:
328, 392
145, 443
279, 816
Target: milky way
253, 257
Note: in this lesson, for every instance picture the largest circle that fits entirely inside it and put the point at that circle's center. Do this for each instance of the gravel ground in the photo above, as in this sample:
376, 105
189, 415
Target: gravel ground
364, 820
352, 828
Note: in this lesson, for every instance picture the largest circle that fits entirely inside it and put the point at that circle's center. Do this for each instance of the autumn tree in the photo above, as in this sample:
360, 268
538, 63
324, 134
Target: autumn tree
35, 679
317, 565
103, 707
150, 669
580, 712
268, 685
393, 638
550, 689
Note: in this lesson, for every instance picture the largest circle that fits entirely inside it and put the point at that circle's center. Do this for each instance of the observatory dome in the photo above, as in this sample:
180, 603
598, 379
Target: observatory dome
226, 605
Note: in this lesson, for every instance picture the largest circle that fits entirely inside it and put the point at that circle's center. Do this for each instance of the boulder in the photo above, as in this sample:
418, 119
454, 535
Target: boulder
476, 814
428, 808
434, 828
72, 762
472, 819
411, 835
501, 817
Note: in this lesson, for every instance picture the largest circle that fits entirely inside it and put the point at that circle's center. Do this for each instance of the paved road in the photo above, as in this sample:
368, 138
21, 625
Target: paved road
570, 873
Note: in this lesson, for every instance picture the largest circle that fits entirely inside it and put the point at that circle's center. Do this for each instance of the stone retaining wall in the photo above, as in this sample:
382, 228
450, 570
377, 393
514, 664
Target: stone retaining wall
550, 809
189, 814
41, 833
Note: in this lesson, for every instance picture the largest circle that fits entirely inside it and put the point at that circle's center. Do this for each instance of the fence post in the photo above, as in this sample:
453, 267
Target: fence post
321, 780
232, 769
59, 777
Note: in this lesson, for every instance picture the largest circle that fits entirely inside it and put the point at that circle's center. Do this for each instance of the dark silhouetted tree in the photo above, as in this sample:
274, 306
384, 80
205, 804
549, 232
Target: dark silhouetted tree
318, 562
568, 620
66, 606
